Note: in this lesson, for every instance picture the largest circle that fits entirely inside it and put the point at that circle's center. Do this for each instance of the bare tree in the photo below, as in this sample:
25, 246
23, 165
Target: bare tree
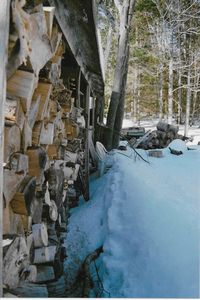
116, 107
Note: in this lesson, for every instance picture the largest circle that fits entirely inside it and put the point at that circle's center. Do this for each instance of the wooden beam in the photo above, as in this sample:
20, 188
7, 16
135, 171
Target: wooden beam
4, 31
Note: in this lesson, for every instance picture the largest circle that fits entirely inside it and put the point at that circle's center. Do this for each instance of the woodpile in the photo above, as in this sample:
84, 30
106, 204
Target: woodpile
43, 154
159, 138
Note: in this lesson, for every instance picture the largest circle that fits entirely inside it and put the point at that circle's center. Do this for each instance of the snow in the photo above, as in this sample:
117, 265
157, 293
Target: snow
178, 145
146, 216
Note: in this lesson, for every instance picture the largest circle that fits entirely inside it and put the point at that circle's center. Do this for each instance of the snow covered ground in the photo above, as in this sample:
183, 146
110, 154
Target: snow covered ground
146, 216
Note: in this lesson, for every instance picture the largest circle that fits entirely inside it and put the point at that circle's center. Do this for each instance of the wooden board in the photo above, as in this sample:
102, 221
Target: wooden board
22, 85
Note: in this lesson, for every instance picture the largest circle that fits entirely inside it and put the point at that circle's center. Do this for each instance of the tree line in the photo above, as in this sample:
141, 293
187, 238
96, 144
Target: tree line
152, 61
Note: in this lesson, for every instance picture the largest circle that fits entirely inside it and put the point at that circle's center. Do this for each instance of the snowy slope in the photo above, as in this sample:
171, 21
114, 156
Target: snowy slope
147, 218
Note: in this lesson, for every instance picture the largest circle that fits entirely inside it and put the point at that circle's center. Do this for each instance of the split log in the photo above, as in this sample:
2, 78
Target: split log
70, 156
30, 247
49, 15
12, 223
36, 133
56, 184
19, 163
174, 129
50, 212
44, 274
40, 42
23, 198
22, 85
162, 126
47, 134
161, 134
71, 129
28, 289
44, 90
52, 151
33, 112
45, 254
12, 141
40, 235
11, 183
26, 136
14, 111
14, 261
57, 288
29, 274
37, 161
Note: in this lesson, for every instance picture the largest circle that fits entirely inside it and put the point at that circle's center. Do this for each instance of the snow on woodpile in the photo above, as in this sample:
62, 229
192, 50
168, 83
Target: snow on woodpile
147, 218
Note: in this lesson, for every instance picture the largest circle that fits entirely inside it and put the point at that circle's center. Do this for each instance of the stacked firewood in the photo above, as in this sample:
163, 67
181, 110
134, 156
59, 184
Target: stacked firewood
159, 138
43, 154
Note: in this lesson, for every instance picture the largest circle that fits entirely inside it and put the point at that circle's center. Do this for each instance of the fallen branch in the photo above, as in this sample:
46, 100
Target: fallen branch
86, 270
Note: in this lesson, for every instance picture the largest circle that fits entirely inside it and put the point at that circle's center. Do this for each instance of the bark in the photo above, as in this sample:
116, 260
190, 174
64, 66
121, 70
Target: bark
170, 91
125, 20
161, 92
120, 109
135, 91
179, 98
188, 103
108, 46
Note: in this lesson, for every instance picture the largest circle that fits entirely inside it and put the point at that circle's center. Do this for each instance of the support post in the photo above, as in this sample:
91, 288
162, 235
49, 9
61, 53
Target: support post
4, 32
78, 87
87, 168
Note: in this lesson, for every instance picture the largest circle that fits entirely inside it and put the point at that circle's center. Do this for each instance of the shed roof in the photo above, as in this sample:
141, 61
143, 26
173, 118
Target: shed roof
77, 19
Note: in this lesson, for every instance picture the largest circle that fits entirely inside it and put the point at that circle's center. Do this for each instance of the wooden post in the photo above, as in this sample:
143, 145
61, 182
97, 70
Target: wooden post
78, 80
87, 170
4, 31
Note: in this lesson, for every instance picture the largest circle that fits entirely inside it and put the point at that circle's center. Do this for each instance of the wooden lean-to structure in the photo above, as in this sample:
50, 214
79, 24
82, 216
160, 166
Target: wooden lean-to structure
53, 97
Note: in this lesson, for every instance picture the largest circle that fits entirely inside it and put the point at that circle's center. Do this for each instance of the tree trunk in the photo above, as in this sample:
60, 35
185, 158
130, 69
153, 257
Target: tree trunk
170, 90
188, 103
160, 99
108, 46
179, 98
120, 109
135, 93
125, 11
